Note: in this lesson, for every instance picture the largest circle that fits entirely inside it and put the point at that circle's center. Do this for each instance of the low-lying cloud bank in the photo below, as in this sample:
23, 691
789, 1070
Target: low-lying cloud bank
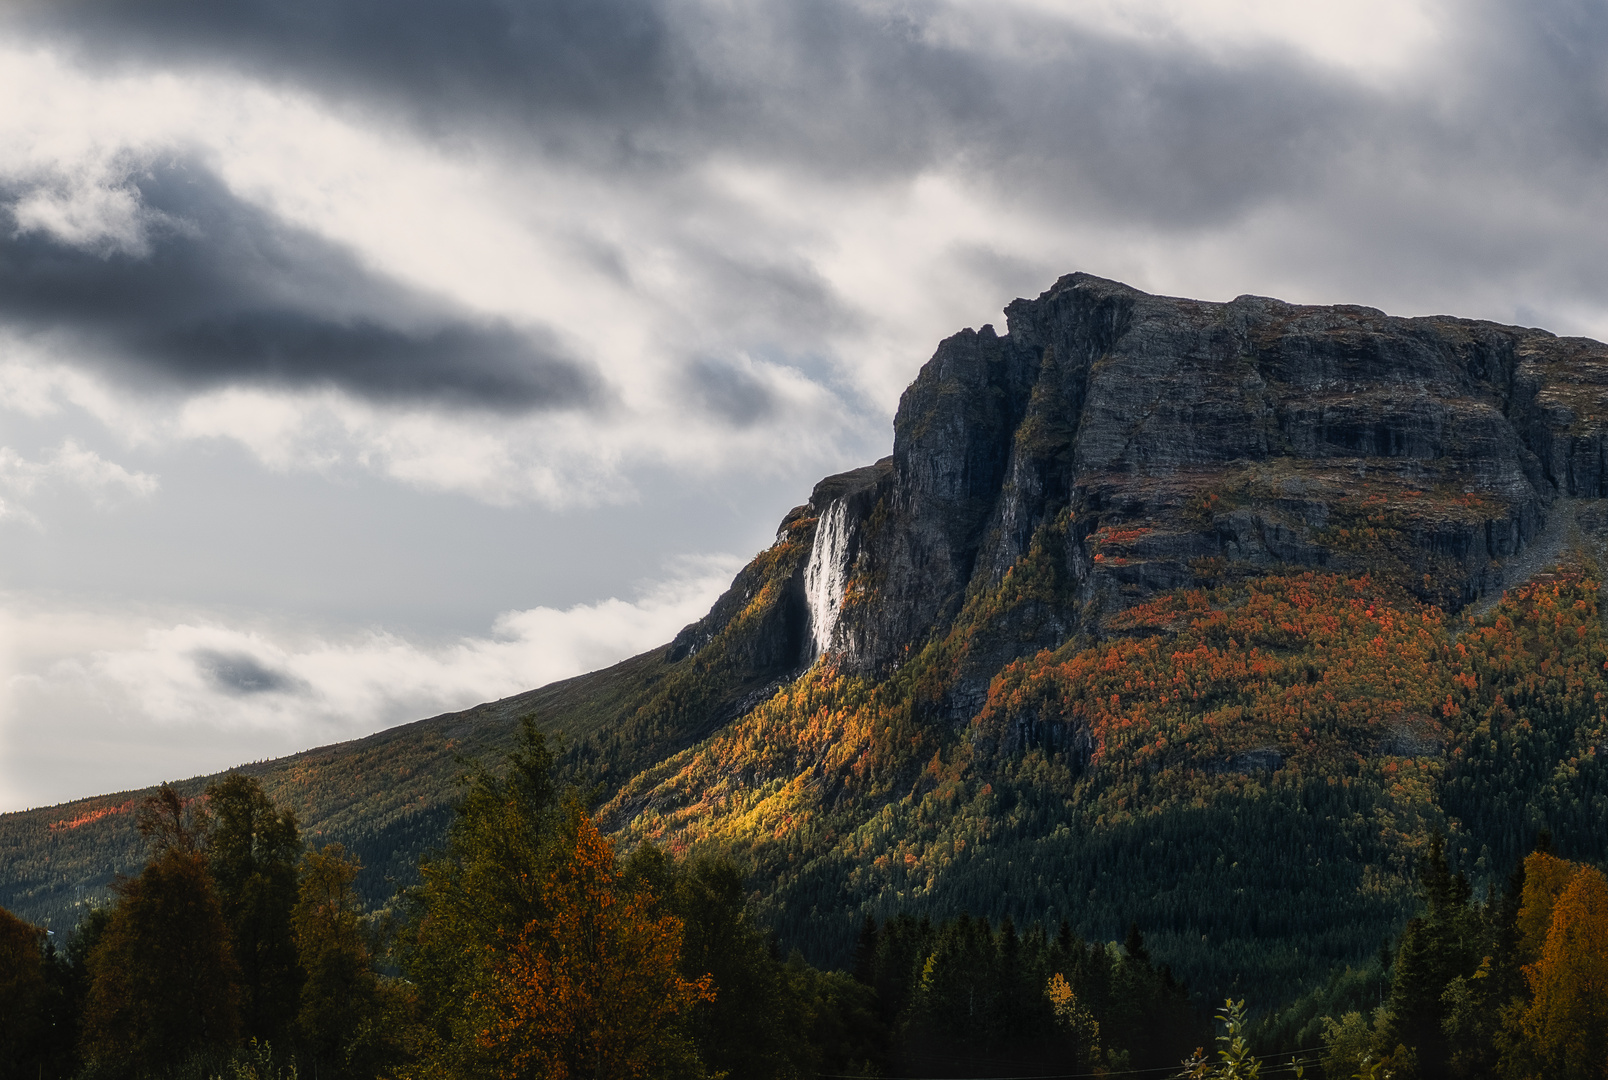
266, 692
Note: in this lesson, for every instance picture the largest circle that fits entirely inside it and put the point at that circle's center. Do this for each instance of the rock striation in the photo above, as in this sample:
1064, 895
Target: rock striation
1164, 442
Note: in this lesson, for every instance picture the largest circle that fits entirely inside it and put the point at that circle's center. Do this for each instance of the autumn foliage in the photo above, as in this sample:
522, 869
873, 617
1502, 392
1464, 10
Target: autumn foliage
593, 989
1565, 921
1269, 774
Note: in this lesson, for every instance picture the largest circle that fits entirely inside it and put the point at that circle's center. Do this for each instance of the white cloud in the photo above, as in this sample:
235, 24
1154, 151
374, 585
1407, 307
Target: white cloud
828, 294
619, 272
1369, 38
239, 691
72, 467
99, 211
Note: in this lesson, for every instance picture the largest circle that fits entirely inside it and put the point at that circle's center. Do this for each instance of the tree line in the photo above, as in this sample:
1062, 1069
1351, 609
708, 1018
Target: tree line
234, 939
532, 948
1511, 986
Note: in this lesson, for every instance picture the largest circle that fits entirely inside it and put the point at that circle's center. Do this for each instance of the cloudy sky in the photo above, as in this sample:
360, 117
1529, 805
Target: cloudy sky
362, 360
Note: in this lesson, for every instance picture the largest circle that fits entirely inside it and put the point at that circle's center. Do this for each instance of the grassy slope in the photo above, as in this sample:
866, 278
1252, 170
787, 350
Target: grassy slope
388, 797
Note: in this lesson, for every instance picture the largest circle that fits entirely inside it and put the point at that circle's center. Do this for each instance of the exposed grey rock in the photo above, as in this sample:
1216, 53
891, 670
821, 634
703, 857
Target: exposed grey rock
1163, 442
1263, 759
1131, 411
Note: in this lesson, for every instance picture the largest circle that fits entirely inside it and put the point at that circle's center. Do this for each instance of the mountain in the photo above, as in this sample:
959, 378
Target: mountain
1178, 613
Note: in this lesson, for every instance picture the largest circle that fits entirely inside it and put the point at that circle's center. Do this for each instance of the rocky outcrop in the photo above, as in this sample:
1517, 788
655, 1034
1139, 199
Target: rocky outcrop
1170, 442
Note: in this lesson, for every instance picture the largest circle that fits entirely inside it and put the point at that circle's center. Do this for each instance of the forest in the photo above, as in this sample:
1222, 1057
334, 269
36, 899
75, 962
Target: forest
533, 948
1251, 769
1302, 824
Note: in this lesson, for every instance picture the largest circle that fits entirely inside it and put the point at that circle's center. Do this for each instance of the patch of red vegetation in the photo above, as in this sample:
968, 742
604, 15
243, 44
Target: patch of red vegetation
89, 817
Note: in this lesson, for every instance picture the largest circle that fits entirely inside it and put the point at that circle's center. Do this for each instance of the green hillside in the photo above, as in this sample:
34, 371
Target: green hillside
1251, 772
386, 797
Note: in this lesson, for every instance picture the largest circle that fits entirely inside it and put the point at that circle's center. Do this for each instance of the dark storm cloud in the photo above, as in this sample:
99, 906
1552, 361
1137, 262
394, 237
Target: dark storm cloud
448, 60
242, 675
221, 291
1143, 130
728, 393
1506, 110
827, 86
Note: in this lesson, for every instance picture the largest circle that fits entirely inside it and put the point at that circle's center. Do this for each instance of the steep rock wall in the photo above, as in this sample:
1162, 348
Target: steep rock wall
1170, 442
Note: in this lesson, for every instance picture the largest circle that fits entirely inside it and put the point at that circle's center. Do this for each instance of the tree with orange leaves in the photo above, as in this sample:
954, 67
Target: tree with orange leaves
592, 989
533, 953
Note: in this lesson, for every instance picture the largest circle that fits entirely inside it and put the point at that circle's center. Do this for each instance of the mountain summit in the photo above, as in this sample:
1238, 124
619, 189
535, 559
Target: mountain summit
1173, 442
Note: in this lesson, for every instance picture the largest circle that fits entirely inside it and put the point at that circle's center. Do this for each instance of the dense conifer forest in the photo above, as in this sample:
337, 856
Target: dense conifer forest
1151, 776
1268, 824
532, 947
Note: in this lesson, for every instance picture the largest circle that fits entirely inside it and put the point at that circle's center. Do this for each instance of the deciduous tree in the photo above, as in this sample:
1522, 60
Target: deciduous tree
32, 1003
1567, 1020
337, 1023
477, 896
163, 981
593, 989
252, 855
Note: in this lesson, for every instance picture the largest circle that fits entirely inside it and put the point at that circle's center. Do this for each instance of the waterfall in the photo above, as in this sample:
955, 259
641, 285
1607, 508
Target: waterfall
827, 572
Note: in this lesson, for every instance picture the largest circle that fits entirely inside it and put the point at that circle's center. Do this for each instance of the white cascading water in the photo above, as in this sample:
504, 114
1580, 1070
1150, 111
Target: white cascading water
827, 573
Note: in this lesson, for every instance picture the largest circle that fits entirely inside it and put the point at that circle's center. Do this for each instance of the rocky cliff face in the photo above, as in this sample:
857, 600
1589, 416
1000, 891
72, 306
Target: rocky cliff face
1163, 442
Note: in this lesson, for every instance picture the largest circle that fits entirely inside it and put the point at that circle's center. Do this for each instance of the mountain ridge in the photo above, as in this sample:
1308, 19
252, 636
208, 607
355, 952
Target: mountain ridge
891, 706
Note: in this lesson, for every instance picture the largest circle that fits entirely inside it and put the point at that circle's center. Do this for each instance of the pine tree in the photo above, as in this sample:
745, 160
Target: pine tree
477, 897
754, 1026
865, 951
1445, 943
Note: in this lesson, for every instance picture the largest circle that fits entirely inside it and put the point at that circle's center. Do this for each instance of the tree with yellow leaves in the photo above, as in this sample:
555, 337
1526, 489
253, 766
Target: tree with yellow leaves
1074, 1020
1566, 1022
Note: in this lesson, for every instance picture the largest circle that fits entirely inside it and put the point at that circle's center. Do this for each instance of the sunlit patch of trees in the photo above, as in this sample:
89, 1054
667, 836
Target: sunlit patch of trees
1513, 985
531, 948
